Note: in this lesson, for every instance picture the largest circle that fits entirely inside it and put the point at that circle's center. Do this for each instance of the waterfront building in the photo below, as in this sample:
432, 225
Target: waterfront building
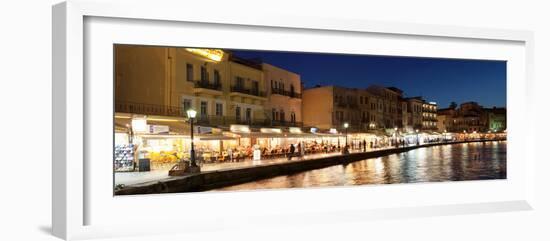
445, 119
429, 116
389, 105
167, 81
471, 117
329, 107
284, 96
414, 112
405, 115
371, 118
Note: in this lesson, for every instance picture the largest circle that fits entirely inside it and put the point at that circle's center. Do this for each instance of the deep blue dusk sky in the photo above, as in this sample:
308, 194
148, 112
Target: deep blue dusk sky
439, 80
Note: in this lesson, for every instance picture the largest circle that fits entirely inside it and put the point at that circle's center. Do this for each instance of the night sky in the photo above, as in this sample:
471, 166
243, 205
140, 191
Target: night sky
439, 80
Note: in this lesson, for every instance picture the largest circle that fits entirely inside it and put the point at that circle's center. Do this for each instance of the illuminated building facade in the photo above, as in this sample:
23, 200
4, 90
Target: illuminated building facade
284, 93
429, 116
167, 81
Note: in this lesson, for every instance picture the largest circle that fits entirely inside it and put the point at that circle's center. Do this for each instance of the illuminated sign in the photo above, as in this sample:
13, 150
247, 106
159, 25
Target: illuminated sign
159, 129
333, 131
212, 54
271, 130
239, 128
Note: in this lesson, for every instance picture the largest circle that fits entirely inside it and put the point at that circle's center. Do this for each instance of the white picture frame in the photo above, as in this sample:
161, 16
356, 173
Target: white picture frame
72, 193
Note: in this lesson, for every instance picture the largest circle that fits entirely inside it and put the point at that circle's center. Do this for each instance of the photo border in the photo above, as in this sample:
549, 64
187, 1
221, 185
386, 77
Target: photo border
68, 185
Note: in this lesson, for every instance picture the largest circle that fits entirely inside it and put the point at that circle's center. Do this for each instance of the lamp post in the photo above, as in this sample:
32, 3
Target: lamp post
191, 114
346, 125
417, 140
395, 136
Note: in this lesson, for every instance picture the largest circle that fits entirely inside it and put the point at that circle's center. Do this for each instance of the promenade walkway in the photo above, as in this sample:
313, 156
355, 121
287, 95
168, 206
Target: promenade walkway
129, 178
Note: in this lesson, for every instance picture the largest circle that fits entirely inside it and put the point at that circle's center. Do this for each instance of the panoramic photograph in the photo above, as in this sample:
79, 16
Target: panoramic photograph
194, 119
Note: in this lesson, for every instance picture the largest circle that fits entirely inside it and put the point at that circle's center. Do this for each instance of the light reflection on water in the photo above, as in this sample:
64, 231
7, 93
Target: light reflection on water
467, 161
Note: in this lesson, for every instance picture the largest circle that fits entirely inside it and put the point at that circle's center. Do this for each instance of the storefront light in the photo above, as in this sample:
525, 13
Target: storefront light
139, 125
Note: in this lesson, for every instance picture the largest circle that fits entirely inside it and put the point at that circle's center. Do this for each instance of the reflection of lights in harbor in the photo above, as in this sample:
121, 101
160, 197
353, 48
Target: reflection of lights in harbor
378, 165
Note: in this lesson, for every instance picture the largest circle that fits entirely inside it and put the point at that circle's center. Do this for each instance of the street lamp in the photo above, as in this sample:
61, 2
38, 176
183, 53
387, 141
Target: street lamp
191, 114
346, 125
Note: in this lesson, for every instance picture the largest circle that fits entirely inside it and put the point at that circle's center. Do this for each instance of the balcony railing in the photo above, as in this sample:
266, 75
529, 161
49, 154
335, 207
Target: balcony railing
214, 120
208, 85
290, 94
211, 120
429, 118
347, 105
287, 123
149, 109
243, 90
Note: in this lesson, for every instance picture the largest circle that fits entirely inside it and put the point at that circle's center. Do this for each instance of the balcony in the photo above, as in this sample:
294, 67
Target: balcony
207, 85
290, 94
243, 90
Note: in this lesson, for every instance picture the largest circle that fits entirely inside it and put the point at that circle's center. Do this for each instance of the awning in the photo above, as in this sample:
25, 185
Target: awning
212, 137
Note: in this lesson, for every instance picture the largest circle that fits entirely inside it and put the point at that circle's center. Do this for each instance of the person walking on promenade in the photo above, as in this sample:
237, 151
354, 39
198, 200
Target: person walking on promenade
291, 152
230, 154
364, 145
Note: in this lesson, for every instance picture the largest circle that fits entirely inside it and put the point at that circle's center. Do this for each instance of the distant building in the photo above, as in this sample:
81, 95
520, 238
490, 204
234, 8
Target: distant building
471, 117
496, 119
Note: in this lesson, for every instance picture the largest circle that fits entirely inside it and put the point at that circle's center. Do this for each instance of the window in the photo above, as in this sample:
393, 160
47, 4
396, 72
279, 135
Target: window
239, 82
204, 109
255, 87
186, 104
361, 100
204, 74
293, 117
248, 114
217, 79
282, 116
238, 113
339, 116
219, 109
189, 72
273, 114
